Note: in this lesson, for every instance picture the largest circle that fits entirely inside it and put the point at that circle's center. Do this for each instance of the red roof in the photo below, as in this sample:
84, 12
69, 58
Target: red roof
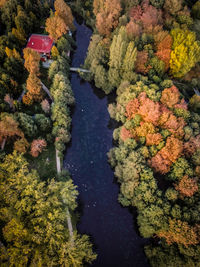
40, 43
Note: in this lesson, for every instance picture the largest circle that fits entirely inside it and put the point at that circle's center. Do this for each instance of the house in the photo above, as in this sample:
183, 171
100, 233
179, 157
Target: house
42, 44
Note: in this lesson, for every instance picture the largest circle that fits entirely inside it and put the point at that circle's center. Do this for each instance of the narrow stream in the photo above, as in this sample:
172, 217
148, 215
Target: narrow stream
110, 226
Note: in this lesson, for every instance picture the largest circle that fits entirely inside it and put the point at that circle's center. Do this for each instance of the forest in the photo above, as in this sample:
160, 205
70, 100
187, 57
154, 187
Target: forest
148, 52
37, 200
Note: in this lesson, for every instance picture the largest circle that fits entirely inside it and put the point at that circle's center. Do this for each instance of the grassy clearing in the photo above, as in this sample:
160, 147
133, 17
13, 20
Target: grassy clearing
45, 163
44, 77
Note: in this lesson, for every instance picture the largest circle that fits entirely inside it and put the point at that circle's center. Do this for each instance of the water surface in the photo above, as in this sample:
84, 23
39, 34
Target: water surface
110, 226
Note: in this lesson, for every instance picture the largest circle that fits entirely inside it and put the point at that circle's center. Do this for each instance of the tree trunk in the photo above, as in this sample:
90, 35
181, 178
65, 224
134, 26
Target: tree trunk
3, 143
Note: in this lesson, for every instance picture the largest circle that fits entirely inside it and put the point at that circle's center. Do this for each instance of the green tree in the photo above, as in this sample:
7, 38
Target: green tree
63, 97
43, 123
129, 63
34, 215
196, 10
8, 13
157, 3
27, 124
118, 50
122, 59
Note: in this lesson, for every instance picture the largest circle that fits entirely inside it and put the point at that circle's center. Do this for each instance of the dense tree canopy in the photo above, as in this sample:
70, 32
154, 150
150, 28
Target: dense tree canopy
35, 212
107, 14
34, 215
151, 56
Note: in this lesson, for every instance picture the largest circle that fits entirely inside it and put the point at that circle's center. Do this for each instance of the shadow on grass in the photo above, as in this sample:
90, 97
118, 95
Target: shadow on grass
45, 163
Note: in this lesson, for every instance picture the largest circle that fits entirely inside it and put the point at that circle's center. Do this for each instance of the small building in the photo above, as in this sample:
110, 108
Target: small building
42, 44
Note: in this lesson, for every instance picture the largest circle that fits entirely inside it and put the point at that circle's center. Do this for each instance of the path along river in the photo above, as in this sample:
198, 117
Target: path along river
110, 226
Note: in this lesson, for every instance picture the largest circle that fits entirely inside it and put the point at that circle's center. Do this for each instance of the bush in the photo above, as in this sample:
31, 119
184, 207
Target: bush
43, 122
196, 10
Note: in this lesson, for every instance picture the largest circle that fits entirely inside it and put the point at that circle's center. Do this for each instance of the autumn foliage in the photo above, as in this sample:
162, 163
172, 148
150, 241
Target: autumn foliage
141, 64
9, 128
33, 83
21, 145
179, 232
133, 29
107, 14
37, 146
167, 155
144, 129
56, 27
185, 52
148, 109
170, 96
187, 186
45, 105
12, 53
192, 145
125, 134
2, 3
156, 158
164, 50
8, 99
154, 117
32, 59
147, 15
153, 139
34, 87
60, 23
64, 12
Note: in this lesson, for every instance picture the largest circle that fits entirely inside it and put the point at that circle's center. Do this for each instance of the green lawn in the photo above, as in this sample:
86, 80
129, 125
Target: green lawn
44, 77
45, 163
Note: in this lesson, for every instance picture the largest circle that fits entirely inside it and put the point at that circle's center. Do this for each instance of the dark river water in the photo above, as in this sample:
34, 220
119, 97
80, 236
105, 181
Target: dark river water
110, 226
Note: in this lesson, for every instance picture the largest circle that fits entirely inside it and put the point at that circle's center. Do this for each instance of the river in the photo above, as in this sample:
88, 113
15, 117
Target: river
110, 226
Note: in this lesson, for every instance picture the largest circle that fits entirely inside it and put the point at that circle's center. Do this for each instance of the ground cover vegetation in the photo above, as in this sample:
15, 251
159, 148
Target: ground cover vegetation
36, 205
149, 52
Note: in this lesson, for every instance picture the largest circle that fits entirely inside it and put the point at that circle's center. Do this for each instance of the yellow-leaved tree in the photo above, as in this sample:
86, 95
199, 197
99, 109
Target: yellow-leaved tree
185, 52
61, 21
56, 27
33, 83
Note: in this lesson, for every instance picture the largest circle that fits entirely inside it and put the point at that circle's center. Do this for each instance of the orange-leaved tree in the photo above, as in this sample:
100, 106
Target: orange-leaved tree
37, 146
8, 128
163, 46
107, 14
153, 139
141, 62
187, 186
32, 59
2, 2
125, 134
170, 96
56, 27
162, 161
192, 145
64, 11
34, 87
179, 232
146, 15
33, 83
